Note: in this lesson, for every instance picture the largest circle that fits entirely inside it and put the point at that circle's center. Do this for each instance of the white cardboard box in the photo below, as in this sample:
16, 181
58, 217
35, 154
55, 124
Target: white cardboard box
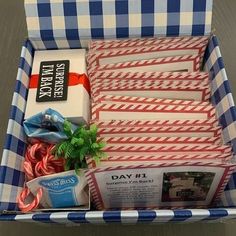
76, 107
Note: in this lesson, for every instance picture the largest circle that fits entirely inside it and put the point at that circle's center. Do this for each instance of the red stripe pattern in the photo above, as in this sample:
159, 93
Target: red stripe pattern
110, 107
163, 157
142, 42
192, 76
138, 82
204, 90
93, 57
142, 63
143, 100
155, 123
160, 149
175, 131
162, 140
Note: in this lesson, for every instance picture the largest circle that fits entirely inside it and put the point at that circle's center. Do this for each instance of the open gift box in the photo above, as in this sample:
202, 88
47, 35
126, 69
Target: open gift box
57, 24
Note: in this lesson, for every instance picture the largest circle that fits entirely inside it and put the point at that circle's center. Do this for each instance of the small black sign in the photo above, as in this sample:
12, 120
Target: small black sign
53, 81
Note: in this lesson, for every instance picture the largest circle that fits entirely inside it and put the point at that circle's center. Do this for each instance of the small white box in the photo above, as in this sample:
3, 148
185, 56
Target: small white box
57, 76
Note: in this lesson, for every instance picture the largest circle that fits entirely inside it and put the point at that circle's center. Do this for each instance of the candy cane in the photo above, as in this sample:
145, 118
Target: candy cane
28, 170
38, 162
42, 161
30, 206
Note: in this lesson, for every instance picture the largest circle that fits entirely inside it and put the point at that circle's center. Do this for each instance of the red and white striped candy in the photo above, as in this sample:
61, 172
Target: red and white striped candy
39, 161
29, 206
28, 169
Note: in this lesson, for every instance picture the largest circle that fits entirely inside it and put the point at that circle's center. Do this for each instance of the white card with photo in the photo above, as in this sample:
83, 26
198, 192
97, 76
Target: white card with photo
167, 184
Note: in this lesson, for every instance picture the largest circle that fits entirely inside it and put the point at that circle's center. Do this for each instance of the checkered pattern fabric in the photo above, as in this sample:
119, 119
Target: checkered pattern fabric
11, 174
222, 99
69, 24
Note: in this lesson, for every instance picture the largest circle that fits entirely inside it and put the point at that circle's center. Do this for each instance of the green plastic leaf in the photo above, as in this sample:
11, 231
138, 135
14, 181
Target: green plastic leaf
96, 159
69, 150
61, 148
75, 154
84, 165
95, 146
67, 128
77, 141
102, 144
67, 165
83, 153
81, 143
93, 129
93, 133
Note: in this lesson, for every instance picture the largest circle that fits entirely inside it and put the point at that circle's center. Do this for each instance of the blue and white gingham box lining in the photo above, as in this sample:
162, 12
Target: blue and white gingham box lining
68, 24
51, 22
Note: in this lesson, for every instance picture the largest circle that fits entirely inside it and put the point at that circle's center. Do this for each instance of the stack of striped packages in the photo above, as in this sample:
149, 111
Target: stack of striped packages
151, 103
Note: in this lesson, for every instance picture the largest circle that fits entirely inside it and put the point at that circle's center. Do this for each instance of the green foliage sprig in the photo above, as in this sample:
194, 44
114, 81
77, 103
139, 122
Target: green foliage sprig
80, 143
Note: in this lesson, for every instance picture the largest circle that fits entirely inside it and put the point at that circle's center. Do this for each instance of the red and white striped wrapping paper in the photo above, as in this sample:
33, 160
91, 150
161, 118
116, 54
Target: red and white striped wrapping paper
142, 42
197, 93
96, 58
140, 82
142, 100
160, 131
155, 123
97, 76
162, 140
99, 175
150, 159
145, 149
188, 63
132, 111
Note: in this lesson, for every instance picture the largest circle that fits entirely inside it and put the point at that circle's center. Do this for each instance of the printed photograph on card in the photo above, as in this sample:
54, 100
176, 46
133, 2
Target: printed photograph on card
186, 186
162, 185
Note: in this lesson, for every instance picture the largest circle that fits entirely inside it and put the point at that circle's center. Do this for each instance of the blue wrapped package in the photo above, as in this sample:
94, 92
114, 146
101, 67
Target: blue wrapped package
46, 126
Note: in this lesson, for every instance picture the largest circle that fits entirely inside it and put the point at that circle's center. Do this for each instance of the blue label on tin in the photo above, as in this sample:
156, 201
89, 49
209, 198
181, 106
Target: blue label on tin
60, 183
61, 190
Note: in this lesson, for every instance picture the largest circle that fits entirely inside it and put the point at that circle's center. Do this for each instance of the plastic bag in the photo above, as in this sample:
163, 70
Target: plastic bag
46, 126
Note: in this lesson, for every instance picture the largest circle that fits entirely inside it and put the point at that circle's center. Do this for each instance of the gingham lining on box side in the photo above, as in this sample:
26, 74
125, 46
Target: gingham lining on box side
69, 24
